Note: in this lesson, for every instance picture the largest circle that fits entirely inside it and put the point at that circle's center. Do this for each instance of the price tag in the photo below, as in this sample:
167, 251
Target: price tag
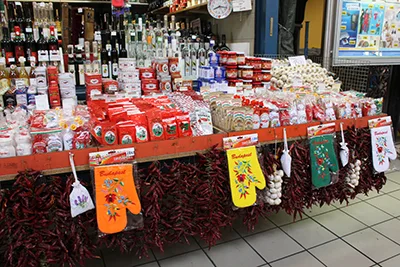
297, 82
298, 60
321, 87
43, 56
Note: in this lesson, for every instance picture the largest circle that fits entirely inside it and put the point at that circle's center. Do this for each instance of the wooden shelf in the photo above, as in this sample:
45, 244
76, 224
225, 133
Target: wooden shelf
58, 162
160, 10
189, 9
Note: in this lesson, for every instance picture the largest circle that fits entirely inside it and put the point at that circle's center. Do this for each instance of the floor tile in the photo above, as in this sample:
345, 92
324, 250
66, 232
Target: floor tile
375, 245
338, 253
114, 258
282, 218
308, 233
234, 253
262, 225
394, 176
387, 203
303, 259
371, 194
366, 213
192, 259
316, 210
344, 203
395, 194
93, 263
273, 244
176, 249
390, 229
390, 186
152, 264
228, 234
339, 222
393, 262
394, 165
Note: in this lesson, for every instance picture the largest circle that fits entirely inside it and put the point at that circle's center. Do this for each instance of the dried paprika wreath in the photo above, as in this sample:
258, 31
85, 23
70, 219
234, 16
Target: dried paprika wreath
180, 199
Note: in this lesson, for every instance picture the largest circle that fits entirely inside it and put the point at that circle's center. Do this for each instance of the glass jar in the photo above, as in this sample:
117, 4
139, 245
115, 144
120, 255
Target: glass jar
257, 76
246, 72
249, 61
266, 75
6, 147
223, 57
231, 58
24, 145
266, 63
231, 72
241, 59
256, 63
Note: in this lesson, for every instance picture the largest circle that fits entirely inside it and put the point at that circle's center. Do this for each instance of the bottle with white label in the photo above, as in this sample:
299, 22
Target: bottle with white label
71, 62
79, 67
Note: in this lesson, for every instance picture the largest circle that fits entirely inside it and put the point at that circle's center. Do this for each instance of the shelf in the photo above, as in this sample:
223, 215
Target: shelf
57, 162
160, 10
189, 9
137, 3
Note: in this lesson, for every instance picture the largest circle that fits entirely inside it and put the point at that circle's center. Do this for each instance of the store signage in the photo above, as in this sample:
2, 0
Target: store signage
241, 5
297, 60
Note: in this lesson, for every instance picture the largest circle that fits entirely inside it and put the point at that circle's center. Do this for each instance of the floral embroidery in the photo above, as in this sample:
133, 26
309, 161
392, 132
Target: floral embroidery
382, 149
113, 189
321, 154
244, 177
81, 201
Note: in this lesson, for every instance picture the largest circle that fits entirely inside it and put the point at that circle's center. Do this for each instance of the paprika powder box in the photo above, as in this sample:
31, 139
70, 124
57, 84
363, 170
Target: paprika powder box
110, 86
126, 133
54, 96
146, 73
93, 89
52, 74
93, 79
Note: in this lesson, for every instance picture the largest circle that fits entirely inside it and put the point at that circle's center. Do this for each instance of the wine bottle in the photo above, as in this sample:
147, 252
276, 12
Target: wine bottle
19, 50
114, 56
105, 70
79, 66
30, 45
7, 46
53, 42
11, 19
43, 53
20, 21
81, 39
123, 53
71, 61
223, 46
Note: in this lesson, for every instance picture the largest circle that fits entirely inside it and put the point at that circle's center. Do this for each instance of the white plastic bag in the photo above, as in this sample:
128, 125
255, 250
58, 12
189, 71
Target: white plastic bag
344, 150
79, 198
286, 159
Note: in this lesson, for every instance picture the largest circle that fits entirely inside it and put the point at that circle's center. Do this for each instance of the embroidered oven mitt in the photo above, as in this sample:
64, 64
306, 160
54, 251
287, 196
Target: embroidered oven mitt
115, 192
383, 148
323, 160
245, 175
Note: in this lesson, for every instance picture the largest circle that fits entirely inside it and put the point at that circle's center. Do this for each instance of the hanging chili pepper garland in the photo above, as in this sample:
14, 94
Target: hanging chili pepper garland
179, 199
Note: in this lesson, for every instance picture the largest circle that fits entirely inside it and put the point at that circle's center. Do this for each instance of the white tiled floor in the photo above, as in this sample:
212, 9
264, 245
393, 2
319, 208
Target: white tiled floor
365, 233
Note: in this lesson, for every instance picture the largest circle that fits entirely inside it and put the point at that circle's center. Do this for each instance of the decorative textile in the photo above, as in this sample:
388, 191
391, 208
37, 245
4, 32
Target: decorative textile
383, 148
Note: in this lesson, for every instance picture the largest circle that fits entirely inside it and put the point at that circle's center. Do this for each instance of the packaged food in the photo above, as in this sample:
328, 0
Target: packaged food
246, 72
241, 59
231, 72
257, 76
146, 73
266, 63
219, 73
231, 58
266, 75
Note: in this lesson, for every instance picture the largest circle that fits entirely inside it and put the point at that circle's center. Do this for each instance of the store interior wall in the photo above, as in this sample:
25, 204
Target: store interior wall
315, 14
239, 28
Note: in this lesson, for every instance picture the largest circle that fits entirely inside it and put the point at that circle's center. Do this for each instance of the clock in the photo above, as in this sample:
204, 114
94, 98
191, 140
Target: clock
219, 9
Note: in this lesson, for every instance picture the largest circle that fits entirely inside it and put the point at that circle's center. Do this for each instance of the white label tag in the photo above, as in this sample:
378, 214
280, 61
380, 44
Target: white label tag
55, 55
298, 60
42, 102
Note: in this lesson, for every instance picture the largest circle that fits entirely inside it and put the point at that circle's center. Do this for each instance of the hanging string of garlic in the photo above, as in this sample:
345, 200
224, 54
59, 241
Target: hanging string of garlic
274, 192
353, 175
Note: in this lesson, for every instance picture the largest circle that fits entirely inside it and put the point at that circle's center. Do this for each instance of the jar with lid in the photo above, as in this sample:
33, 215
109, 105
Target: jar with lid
246, 72
231, 58
257, 76
231, 72
247, 84
241, 59
249, 61
266, 63
6, 147
24, 145
266, 75
256, 63
223, 57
